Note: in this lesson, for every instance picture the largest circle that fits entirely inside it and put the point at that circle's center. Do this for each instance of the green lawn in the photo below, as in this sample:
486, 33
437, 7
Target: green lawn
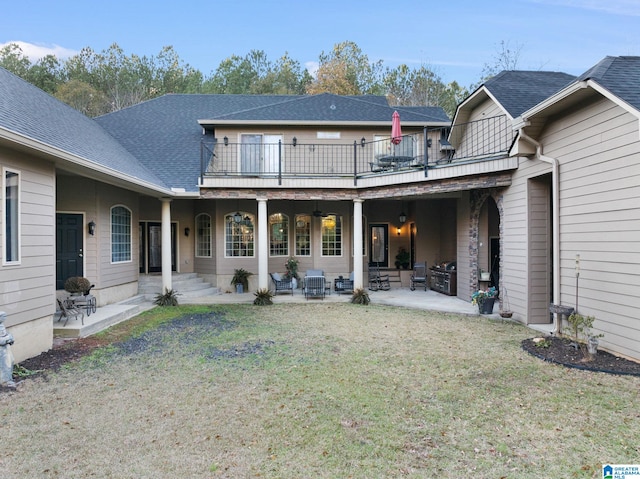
322, 390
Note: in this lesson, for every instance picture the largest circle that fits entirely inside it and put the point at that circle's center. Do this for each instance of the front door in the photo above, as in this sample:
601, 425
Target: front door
151, 247
379, 245
69, 247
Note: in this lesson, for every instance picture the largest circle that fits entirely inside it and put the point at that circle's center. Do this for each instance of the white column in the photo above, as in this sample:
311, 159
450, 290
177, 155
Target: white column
166, 244
357, 244
263, 245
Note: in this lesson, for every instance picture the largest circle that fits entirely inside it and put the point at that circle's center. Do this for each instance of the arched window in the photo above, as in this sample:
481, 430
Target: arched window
203, 236
239, 235
120, 234
278, 235
332, 235
303, 235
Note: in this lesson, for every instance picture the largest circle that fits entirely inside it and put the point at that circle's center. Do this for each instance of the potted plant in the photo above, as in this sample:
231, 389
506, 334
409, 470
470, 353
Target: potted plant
583, 338
240, 280
485, 298
77, 285
402, 258
292, 271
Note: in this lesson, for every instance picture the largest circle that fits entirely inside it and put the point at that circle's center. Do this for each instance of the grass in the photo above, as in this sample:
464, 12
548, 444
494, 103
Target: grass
317, 390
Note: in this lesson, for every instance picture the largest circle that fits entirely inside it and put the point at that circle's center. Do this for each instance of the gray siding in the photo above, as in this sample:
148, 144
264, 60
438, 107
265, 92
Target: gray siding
599, 151
25, 289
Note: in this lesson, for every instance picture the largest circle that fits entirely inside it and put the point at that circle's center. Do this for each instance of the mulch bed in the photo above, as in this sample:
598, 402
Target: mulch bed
562, 351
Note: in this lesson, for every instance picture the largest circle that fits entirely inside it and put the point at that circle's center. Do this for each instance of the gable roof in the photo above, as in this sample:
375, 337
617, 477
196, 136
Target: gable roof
619, 75
37, 120
517, 91
514, 91
164, 133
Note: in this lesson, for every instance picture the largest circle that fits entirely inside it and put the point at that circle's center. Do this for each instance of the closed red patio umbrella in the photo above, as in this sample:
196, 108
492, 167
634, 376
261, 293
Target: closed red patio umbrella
396, 132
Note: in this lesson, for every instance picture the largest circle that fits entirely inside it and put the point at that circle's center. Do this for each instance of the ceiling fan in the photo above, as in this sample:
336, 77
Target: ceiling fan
317, 213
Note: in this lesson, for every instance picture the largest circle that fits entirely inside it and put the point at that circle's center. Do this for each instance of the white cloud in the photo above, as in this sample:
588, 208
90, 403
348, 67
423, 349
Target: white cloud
312, 67
36, 52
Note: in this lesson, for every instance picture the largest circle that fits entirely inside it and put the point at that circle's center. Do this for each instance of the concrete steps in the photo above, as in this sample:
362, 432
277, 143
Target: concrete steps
104, 317
186, 285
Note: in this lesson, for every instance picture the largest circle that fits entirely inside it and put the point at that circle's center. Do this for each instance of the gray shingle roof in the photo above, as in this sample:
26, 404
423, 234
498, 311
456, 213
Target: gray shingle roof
517, 91
164, 133
28, 111
619, 75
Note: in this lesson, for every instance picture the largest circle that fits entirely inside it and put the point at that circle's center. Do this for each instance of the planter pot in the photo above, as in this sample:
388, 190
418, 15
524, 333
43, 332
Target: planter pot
592, 346
485, 276
486, 307
239, 289
294, 283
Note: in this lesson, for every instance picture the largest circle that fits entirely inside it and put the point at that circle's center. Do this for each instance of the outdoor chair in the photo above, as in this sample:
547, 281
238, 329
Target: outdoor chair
419, 276
281, 284
314, 287
378, 281
68, 310
344, 285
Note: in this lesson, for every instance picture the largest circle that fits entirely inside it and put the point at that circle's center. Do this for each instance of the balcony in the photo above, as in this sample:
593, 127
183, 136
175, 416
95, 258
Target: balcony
359, 159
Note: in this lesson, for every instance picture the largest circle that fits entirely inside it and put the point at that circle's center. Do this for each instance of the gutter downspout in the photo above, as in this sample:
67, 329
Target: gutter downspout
555, 187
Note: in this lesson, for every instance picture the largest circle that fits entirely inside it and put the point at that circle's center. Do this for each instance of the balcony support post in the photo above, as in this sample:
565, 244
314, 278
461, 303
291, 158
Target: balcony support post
355, 163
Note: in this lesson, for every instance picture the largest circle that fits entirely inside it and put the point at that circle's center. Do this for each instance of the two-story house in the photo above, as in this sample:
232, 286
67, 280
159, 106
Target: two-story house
536, 168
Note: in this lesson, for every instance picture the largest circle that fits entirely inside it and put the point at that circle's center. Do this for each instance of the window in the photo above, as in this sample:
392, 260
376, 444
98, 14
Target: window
303, 235
278, 235
120, 234
383, 146
239, 235
332, 235
203, 236
11, 187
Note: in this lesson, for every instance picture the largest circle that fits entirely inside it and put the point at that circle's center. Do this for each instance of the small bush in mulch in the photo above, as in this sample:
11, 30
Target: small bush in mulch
563, 351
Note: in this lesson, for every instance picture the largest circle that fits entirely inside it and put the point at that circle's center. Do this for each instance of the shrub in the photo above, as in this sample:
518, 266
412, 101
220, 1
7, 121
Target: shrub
264, 297
169, 298
360, 296
77, 284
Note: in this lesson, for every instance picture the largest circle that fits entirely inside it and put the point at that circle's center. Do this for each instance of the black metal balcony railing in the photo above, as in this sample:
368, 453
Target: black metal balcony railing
474, 140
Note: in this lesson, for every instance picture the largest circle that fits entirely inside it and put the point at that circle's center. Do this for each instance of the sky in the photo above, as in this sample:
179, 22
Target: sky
454, 38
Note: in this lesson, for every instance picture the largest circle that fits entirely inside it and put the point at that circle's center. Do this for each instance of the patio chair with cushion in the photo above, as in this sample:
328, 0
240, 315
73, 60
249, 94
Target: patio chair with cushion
314, 287
344, 285
419, 276
281, 284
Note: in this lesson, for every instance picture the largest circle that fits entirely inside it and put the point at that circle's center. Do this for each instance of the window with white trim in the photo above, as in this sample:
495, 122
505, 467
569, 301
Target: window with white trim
239, 235
278, 235
11, 190
120, 234
203, 236
331, 235
303, 235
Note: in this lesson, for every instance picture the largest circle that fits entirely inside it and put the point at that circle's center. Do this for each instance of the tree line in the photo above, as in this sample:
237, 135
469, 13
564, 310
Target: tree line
96, 83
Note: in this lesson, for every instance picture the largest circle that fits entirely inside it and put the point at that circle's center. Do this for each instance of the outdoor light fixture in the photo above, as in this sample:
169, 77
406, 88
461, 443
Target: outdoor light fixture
226, 141
187, 231
398, 229
92, 227
402, 218
237, 218
363, 141
294, 141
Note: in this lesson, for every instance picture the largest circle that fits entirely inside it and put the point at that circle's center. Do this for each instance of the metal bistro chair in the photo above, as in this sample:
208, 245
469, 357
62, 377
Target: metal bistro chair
419, 275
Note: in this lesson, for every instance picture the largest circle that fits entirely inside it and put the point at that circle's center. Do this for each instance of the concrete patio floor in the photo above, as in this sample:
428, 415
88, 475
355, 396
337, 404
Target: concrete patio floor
109, 315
